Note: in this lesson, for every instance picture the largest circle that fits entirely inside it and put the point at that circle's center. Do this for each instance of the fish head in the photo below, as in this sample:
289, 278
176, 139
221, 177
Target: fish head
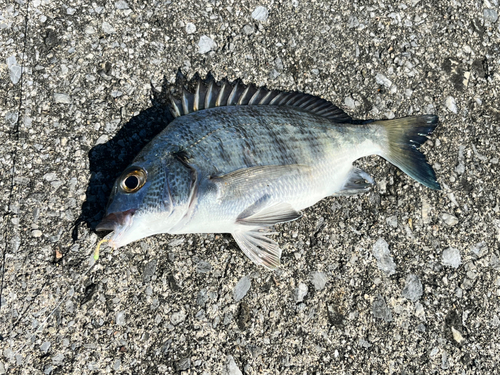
140, 204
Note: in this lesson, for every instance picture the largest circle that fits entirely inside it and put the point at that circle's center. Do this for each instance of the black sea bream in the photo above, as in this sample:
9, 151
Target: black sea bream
238, 159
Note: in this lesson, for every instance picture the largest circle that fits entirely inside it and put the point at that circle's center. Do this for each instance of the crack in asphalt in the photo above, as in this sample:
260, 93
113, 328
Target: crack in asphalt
16, 138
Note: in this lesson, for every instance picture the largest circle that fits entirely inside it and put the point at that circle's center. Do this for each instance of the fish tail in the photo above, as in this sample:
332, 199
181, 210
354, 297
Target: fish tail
405, 135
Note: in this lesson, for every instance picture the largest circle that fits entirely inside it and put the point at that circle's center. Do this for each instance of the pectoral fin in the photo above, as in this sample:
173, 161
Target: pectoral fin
261, 213
258, 247
243, 182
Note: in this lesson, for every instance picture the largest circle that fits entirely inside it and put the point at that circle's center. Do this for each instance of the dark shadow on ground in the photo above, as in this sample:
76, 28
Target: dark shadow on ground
108, 160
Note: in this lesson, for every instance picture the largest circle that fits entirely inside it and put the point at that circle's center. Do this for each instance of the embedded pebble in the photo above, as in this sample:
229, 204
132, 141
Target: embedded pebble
273, 74
445, 364
232, 367
419, 310
451, 257
466, 78
102, 139
248, 29
190, 28
8, 353
107, 28
490, 15
62, 98
457, 336
460, 168
121, 4
242, 288
495, 262
111, 126
413, 289
383, 80
392, 221
479, 248
15, 70
203, 267
89, 30
319, 280
260, 14
45, 347
278, 63
176, 242
120, 318
434, 352
349, 102
11, 117
58, 359
450, 220
178, 317
36, 233
364, 344
149, 271
205, 44
451, 104
300, 292
184, 364
380, 309
51, 176
202, 297
426, 210
228, 318
385, 261
353, 22
495, 321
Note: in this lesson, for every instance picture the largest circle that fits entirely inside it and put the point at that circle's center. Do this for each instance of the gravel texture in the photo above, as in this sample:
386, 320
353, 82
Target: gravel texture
400, 280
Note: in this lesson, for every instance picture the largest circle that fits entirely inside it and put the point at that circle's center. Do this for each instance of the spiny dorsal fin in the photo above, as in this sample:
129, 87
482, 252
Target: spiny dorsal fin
198, 94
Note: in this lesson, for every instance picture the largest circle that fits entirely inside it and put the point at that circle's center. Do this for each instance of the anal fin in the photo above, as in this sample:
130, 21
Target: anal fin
358, 181
258, 247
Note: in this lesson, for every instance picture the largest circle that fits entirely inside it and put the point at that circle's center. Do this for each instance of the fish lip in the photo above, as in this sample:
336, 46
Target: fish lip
115, 221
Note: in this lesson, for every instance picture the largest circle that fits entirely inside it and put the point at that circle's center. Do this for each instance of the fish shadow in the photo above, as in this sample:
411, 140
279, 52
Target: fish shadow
108, 160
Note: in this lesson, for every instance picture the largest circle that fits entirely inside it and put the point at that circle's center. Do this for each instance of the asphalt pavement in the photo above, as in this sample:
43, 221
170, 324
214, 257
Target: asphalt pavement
399, 280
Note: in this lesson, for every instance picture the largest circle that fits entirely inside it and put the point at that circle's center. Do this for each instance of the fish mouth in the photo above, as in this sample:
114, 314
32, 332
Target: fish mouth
115, 221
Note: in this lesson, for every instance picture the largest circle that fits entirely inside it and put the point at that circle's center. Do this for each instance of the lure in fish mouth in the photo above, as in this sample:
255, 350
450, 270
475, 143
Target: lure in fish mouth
238, 159
118, 222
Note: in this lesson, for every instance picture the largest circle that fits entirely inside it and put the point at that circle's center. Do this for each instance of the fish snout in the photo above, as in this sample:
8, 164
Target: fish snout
115, 220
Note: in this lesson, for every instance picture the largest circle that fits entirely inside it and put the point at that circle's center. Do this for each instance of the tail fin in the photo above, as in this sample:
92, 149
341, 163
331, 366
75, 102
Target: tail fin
405, 135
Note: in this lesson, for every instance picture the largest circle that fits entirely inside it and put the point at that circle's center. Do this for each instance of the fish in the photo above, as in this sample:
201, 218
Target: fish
239, 159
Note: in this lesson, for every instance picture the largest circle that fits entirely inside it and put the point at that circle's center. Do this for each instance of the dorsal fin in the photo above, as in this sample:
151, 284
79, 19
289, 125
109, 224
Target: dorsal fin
197, 94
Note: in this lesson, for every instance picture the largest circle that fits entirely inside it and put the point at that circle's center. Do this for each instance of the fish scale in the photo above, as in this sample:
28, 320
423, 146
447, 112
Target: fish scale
285, 138
238, 159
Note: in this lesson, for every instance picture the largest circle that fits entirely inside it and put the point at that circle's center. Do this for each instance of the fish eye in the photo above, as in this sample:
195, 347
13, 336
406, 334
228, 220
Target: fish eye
133, 180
